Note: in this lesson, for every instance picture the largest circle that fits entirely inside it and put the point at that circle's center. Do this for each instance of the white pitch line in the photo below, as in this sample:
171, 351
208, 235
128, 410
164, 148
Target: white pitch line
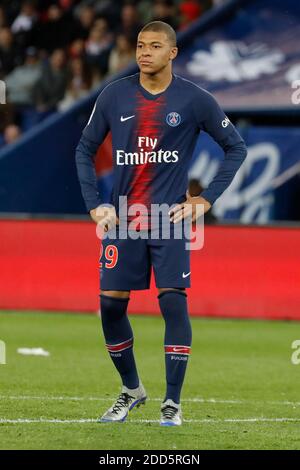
146, 421
184, 400
65, 398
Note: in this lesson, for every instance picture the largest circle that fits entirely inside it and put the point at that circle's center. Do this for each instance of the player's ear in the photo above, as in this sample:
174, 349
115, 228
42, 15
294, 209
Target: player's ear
173, 53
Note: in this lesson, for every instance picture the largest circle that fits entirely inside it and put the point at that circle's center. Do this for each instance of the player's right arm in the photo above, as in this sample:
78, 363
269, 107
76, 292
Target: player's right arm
92, 137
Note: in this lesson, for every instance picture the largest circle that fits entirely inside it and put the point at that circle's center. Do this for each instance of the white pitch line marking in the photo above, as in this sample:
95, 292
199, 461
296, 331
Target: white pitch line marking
141, 421
193, 400
184, 400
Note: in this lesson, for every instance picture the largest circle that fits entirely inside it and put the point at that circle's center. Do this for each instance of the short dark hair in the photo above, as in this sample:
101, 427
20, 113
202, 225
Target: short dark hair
161, 27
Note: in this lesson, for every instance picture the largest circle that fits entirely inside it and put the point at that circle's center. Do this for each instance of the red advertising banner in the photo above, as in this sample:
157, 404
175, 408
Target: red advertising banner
241, 271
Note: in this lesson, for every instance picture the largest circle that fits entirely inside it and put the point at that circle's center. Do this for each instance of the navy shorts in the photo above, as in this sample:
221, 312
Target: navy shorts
125, 264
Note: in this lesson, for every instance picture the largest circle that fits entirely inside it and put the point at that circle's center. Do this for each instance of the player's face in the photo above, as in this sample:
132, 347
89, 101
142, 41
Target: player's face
154, 52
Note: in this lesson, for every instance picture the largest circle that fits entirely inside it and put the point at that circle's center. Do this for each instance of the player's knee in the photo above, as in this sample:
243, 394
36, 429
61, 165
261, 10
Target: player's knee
112, 308
171, 289
116, 294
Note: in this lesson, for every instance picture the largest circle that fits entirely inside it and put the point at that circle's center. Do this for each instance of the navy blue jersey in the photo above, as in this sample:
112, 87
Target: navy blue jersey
153, 139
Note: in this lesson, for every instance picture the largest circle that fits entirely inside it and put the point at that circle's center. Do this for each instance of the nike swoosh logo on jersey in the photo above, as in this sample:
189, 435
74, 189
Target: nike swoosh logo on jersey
186, 275
126, 118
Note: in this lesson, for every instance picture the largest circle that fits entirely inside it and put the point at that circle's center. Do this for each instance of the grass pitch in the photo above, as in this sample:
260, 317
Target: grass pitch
241, 389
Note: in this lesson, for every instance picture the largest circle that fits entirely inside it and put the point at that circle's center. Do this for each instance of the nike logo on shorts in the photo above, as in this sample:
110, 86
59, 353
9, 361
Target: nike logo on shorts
126, 118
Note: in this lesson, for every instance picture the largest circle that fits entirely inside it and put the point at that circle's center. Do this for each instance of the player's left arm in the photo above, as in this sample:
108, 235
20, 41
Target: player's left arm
217, 125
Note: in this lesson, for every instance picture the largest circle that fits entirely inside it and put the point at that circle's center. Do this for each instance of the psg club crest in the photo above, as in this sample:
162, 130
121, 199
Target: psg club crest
173, 119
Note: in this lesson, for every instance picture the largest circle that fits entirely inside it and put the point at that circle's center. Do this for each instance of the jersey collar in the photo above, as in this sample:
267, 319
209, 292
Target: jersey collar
151, 96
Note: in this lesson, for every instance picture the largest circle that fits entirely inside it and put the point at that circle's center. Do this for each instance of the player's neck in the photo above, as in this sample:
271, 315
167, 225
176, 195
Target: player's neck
156, 83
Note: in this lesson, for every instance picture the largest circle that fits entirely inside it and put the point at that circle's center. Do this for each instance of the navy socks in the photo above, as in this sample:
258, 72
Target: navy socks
119, 338
178, 337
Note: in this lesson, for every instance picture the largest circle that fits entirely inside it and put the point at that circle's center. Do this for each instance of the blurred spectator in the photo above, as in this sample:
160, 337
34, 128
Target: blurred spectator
98, 45
109, 9
7, 114
145, 11
217, 3
3, 19
10, 54
121, 55
43, 5
85, 20
11, 134
130, 21
165, 10
22, 80
189, 11
25, 19
23, 24
79, 83
51, 86
67, 4
77, 48
56, 32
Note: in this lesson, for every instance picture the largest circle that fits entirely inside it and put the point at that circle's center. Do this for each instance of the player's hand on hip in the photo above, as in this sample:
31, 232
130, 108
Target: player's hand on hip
193, 207
105, 217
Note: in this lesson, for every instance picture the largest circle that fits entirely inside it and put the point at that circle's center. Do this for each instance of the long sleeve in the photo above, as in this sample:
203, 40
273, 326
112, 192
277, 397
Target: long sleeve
218, 126
92, 136
235, 152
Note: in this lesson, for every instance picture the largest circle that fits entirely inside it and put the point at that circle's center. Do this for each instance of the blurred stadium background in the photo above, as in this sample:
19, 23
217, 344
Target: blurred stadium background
55, 57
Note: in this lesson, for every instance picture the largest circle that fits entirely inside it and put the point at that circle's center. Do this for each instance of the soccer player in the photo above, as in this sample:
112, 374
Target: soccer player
155, 118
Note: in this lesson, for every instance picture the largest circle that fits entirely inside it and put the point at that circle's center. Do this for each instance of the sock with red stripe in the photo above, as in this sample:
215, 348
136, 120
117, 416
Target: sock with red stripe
119, 338
178, 338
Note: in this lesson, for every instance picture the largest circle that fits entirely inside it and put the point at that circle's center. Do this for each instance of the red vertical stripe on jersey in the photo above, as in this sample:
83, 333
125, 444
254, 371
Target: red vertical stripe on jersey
149, 124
